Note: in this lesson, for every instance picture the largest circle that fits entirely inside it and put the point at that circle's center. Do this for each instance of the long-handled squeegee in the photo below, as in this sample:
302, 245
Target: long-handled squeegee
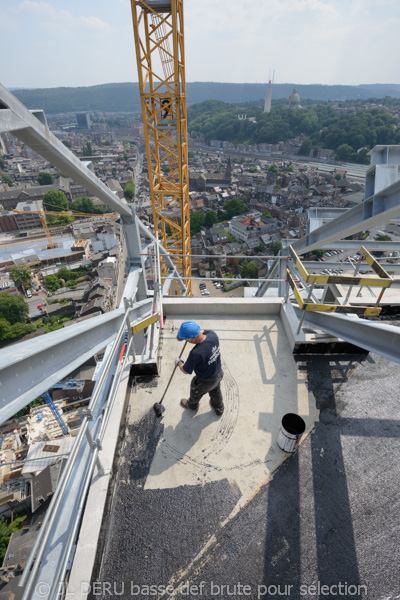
158, 407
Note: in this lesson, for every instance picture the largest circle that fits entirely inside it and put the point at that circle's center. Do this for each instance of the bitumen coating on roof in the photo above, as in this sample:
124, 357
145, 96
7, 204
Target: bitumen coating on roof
214, 509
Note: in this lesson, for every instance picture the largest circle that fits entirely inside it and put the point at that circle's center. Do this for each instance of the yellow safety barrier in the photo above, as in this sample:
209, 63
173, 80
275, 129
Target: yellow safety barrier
379, 270
145, 323
384, 280
337, 308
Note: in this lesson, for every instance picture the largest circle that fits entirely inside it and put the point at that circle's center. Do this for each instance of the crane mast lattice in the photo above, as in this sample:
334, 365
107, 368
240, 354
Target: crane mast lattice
159, 41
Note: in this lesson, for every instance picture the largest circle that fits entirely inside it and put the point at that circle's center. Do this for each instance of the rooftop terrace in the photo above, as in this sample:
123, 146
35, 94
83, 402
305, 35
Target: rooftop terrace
197, 498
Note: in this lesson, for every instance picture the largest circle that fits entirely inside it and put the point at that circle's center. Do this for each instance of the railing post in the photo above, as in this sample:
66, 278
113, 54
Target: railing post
95, 445
310, 291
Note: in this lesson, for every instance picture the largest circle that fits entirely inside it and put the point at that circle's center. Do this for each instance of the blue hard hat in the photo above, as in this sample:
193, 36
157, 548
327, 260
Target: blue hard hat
188, 329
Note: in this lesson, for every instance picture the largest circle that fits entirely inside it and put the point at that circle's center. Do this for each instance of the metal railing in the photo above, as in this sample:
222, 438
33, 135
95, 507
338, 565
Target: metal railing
90, 437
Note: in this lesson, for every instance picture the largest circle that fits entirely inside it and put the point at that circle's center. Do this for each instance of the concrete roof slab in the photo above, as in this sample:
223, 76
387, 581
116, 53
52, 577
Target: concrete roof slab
260, 385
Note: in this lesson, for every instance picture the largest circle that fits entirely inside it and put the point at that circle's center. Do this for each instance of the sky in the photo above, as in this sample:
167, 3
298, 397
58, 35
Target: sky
54, 43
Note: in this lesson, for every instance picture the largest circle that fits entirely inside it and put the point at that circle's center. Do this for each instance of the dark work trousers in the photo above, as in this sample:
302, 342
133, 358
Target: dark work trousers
199, 387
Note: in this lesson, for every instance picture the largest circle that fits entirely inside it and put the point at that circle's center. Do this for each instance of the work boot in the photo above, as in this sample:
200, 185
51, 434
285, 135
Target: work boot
218, 411
185, 403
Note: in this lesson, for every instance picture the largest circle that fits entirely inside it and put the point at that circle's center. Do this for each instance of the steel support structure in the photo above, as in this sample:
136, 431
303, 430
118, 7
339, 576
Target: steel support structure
352, 245
30, 368
33, 131
159, 42
382, 203
381, 338
379, 208
35, 365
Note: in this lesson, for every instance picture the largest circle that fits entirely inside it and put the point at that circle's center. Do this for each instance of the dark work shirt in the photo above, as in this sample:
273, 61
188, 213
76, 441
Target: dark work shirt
205, 358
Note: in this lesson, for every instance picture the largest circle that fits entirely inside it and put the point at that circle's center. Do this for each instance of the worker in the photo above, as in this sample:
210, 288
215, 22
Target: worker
166, 108
205, 360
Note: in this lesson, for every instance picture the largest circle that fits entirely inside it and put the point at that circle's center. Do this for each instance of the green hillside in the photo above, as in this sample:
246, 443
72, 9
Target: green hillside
125, 96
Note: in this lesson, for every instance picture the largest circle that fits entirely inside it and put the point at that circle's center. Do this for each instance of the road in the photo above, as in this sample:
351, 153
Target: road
122, 271
34, 301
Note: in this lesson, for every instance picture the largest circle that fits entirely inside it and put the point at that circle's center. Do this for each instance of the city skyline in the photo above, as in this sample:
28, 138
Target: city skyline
238, 41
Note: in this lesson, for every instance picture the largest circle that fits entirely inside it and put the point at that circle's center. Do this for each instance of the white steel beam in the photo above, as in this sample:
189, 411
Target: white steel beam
381, 338
371, 245
31, 367
37, 136
380, 208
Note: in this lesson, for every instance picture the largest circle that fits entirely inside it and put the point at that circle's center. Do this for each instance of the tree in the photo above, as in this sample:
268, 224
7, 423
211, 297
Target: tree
66, 274
275, 248
67, 144
191, 154
197, 220
211, 218
52, 282
87, 149
13, 308
6, 179
6, 529
357, 141
85, 204
318, 253
21, 329
273, 170
324, 126
338, 177
249, 269
54, 221
344, 152
305, 147
27, 409
267, 214
233, 208
3, 163
55, 200
21, 275
261, 247
383, 238
45, 178
129, 190
6, 332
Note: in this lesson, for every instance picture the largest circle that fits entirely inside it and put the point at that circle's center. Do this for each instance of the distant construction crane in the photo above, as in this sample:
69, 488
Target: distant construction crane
42, 218
159, 41
69, 213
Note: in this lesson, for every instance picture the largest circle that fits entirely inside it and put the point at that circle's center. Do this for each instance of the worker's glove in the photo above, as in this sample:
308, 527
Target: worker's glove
178, 361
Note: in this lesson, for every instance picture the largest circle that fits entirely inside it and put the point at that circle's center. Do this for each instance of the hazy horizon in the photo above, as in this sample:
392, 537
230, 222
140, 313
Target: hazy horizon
216, 82
80, 44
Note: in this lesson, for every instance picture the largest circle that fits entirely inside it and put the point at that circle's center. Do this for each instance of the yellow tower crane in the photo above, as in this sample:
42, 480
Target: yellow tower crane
65, 213
42, 218
159, 41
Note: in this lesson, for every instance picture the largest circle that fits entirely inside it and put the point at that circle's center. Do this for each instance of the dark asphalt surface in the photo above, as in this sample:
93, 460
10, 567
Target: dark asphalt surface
328, 517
